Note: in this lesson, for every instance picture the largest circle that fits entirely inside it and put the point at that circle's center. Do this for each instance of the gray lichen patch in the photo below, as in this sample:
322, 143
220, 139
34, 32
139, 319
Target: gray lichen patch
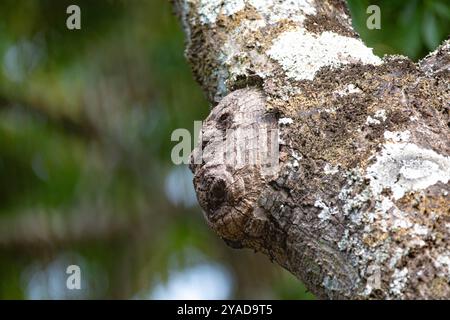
326, 213
275, 11
330, 129
348, 89
398, 282
405, 167
302, 54
377, 118
209, 10
437, 62
233, 44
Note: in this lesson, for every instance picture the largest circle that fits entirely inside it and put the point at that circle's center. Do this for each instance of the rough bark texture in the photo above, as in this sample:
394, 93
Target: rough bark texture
359, 205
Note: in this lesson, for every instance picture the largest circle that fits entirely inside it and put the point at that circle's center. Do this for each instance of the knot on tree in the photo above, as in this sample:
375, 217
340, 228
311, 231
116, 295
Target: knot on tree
239, 151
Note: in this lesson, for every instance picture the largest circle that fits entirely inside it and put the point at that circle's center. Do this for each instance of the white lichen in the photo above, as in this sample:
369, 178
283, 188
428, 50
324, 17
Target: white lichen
400, 220
184, 10
271, 11
398, 136
442, 263
330, 110
329, 169
236, 59
302, 54
331, 283
222, 75
378, 117
371, 120
234, 51
405, 167
285, 121
399, 280
397, 255
381, 114
296, 155
386, 218
274, 11
420, 230
326, 212
349, 89
209, 10
344, 242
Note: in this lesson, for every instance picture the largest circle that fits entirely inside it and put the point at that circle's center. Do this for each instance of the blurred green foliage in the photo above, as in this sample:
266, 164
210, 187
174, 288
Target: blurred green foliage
408, 27
85, 170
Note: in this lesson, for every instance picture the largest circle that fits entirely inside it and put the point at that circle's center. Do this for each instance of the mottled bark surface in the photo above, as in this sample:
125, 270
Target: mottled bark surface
358, 207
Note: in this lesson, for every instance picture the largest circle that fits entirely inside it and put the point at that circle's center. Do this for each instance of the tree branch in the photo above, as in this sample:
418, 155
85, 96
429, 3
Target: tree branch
358, 206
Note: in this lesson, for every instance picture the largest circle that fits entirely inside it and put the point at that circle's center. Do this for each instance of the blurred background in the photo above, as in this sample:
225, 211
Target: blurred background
85, 170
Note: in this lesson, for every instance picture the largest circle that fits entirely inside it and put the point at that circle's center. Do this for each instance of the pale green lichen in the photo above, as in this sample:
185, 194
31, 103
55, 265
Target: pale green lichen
405, 167
349, 89
275, 11
326, 212
378, 117
442, 263
399, 280
209, 10
285, 121
302, 54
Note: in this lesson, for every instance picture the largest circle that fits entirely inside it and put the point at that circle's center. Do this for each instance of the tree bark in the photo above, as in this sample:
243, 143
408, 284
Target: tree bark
358, 206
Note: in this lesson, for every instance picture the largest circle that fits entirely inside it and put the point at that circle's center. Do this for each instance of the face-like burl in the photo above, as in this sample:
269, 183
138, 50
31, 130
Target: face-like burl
237, 153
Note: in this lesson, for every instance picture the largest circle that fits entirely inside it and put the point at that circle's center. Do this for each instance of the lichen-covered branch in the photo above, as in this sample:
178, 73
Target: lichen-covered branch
358, 207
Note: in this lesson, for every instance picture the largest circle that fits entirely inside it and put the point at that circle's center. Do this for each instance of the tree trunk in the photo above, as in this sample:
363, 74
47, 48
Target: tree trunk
356, 204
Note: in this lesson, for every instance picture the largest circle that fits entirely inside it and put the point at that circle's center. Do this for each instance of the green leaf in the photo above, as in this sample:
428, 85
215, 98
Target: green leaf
430, 30
441, 9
